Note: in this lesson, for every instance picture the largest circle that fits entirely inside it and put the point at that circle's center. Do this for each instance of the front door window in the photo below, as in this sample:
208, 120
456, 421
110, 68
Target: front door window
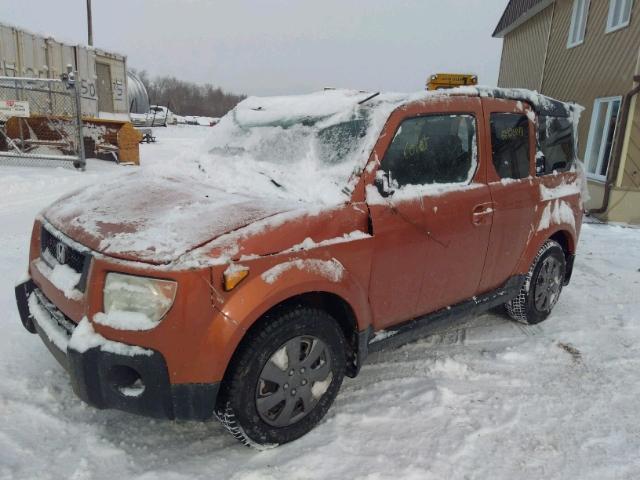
432, 149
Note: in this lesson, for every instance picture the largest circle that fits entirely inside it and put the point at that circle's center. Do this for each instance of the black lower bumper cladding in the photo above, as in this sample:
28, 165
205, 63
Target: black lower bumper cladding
137, 384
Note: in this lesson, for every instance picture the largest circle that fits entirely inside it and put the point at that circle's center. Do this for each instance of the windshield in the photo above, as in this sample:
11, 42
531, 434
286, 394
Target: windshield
284, 142
305, 148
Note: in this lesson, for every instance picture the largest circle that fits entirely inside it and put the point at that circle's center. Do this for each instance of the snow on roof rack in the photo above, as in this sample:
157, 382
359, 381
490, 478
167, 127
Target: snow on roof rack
541, 104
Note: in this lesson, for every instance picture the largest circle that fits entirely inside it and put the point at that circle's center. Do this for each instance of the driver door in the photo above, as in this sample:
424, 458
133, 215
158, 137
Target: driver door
430, 209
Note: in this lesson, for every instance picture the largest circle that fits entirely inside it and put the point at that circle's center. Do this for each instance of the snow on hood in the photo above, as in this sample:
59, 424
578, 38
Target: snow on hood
155, 218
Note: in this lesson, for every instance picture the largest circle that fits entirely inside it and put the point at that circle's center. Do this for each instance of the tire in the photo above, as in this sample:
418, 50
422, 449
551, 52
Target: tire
542, 286
263, 404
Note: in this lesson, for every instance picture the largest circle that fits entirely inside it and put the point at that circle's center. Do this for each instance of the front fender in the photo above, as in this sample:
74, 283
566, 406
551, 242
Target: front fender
280, 279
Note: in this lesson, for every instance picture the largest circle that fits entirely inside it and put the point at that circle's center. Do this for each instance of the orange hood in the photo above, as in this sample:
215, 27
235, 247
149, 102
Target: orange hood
154, 219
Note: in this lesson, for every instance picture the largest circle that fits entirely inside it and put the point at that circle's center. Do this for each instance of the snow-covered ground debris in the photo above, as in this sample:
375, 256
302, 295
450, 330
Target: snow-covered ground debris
487, 398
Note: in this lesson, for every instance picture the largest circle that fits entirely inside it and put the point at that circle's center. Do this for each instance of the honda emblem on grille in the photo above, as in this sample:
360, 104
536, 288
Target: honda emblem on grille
61, 253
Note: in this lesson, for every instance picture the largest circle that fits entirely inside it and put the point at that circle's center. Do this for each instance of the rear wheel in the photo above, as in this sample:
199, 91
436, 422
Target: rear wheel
542, 287
284, 377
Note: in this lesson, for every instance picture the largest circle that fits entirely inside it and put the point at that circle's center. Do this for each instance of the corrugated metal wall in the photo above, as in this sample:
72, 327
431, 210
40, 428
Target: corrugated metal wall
523, 53
26, 54
602, 66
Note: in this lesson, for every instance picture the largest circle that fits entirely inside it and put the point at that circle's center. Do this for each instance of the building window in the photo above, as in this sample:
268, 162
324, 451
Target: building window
510, 144
601, 134
578, 23
619, 14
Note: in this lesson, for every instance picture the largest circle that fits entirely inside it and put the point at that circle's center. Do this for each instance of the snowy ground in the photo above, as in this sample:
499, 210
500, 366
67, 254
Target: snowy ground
489, 399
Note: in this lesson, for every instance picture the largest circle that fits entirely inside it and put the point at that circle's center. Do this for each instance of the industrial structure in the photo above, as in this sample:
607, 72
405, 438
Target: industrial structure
102, 75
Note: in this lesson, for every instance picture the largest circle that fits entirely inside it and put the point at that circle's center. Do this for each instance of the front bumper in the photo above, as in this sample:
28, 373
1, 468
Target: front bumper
137, 383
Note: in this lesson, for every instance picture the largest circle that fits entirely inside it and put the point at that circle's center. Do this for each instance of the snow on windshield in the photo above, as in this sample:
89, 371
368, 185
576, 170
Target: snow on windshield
303, 147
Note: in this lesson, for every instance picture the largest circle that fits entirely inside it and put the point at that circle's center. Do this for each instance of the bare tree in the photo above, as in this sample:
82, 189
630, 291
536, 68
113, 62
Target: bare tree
187, 98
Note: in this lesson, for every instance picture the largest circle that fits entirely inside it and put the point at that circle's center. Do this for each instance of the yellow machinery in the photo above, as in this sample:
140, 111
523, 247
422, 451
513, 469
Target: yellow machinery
441, 81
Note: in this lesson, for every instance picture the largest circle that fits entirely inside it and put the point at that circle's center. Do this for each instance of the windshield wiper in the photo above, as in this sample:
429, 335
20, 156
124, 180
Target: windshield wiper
273, 181
370, 97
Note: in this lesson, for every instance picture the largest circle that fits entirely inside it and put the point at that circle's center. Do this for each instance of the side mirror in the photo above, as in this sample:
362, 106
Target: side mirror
383, 184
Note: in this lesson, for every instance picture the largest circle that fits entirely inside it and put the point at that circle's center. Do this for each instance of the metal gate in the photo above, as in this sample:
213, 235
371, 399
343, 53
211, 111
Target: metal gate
41, 121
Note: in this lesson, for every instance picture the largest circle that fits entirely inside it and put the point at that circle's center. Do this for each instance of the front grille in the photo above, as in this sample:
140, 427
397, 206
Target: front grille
65, 323
51, 246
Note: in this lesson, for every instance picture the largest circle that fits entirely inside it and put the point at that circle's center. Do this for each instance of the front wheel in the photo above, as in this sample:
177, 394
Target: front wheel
284, 377
542, 287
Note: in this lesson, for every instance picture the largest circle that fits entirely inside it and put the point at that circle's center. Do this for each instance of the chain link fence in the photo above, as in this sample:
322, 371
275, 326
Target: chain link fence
41, 122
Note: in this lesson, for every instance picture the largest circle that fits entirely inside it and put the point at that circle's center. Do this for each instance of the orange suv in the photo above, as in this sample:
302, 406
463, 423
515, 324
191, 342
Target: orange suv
246, 281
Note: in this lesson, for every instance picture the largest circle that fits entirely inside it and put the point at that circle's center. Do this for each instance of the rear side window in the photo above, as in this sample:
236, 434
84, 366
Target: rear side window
433, 149
510, 143
556, 144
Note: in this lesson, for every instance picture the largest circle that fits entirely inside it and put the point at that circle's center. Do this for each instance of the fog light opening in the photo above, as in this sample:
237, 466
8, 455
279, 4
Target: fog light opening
126, 381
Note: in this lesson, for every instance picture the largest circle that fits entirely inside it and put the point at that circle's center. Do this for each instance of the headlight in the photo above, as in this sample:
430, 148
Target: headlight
150, 297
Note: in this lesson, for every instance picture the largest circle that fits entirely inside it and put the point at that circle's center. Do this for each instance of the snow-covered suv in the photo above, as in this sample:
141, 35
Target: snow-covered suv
310, 231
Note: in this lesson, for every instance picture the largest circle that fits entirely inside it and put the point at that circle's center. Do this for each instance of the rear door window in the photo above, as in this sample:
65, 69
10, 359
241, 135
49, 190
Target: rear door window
434, 149
510, 144
556, 147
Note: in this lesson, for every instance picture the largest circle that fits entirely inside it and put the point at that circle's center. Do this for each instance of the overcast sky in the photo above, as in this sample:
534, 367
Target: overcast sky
283, 46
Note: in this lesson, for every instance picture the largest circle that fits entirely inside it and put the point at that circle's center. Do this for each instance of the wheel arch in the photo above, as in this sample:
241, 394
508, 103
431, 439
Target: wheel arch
336, 306
566, 241
563, 235
344, 300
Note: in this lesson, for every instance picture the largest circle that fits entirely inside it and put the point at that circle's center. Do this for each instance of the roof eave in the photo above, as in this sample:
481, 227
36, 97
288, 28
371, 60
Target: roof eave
525, 17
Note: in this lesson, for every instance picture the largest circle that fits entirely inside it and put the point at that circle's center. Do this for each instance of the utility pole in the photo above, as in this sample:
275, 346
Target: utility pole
89, 23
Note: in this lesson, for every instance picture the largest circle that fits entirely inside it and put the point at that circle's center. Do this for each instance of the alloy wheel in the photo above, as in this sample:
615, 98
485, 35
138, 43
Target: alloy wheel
548, 284
293, 380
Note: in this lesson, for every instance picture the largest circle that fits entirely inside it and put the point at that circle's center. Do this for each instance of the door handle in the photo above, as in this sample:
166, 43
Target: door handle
482, 213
